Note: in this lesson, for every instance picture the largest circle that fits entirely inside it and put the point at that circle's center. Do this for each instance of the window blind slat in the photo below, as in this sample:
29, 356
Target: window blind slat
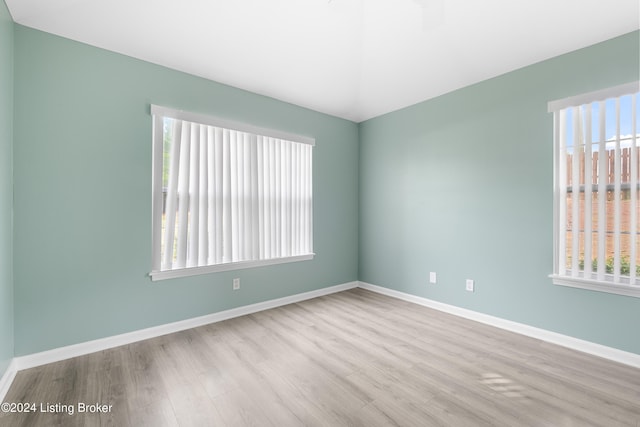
271, 204
262, 199
602, 193
287, 199
247, 203
194, 197
617, 172
183, 195
575, 192
203, 202
211, 199
278, 200
633, 217
254, 197
220, 192
296, 199
588, 181
233, 195
240, 215
227, 236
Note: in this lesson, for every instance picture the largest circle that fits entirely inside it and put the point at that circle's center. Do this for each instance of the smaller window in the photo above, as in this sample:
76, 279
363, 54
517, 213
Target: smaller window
227, 195
596, 190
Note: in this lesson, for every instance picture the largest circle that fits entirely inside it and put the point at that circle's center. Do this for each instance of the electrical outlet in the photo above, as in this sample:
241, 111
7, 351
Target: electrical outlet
432, 277
236, 284
470, 285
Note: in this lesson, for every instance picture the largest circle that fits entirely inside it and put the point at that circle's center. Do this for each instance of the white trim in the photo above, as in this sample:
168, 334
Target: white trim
598, 95
192, 271
63, 353
7, 379
597, 285
157, 110
620, 356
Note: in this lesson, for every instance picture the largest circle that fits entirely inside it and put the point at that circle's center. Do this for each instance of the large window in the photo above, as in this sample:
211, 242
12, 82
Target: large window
227, 195
596, 180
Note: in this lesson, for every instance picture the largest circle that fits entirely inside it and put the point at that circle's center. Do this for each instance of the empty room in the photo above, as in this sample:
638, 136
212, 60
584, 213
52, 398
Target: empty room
319, 213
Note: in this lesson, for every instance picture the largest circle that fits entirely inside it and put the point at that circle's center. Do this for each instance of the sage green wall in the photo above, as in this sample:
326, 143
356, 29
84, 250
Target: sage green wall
445, 186
83, 195
462, 185
6, 187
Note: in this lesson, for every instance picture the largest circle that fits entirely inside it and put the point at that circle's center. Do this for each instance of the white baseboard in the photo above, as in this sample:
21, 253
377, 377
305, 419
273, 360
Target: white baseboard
610, 353
63, 353
7, 379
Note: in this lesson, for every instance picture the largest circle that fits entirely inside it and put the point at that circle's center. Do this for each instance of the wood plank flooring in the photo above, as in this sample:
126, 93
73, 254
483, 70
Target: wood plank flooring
353, 358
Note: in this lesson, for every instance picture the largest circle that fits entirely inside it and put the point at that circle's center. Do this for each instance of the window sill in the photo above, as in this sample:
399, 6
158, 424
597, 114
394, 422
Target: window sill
193, 271
596, 285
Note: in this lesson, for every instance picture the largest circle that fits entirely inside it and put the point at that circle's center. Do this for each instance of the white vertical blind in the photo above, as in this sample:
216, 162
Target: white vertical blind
588, 193
633, 217
231, 195
577, 146
616, 198
596, 175
602, 194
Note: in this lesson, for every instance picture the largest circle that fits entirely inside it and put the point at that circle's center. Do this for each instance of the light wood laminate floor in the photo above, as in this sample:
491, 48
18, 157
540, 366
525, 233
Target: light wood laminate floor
353, 358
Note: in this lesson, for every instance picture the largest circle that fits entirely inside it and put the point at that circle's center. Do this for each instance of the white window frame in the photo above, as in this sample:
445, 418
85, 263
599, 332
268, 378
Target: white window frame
159, 270
572, 275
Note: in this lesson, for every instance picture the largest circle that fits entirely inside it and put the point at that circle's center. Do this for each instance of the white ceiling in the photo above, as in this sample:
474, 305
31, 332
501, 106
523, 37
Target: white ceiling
354, 59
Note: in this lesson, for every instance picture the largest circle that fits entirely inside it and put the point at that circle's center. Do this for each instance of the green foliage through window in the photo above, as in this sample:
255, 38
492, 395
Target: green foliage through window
625, 266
